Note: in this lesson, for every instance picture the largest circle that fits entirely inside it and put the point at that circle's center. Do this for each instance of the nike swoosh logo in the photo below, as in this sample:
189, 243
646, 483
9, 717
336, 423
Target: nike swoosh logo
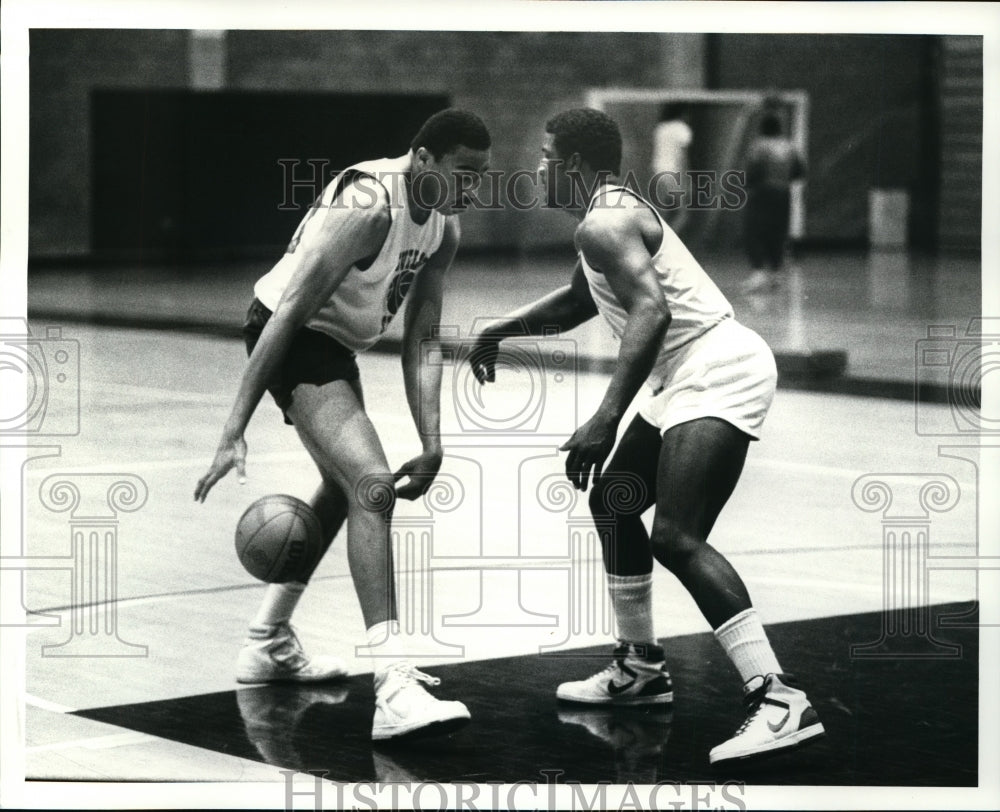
781, 724
615, 690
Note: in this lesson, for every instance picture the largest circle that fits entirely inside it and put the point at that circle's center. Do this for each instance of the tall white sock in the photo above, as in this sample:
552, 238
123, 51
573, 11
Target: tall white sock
379, 639
279, 602
746, 644
632, 600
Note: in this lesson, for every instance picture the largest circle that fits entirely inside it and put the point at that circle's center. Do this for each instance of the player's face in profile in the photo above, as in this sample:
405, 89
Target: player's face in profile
452, 179
551, 173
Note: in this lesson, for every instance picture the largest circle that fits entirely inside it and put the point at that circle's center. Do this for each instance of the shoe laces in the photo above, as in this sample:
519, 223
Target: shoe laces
753, 701
411, 674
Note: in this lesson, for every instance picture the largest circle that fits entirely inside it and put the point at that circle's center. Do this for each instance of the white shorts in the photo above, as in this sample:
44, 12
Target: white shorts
727, 372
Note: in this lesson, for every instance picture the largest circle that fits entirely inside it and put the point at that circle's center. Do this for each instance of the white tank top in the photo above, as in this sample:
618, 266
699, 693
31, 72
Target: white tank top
695, 303
363, 305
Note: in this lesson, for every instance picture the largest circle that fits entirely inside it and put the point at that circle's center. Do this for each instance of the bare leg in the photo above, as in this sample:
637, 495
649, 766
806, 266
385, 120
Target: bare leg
700, 464
333, 426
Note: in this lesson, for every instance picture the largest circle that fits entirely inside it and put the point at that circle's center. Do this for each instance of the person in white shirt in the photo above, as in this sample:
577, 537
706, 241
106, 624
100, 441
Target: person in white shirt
672, 138
381, 232
711, 381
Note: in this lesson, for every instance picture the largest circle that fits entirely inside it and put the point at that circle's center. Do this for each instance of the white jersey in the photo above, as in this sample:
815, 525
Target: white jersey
695, 303
363, 305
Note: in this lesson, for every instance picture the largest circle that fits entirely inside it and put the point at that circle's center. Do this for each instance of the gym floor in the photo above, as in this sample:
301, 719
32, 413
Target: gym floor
872, 605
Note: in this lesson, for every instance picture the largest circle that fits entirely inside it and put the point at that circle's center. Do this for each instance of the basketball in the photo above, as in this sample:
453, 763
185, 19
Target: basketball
279, 539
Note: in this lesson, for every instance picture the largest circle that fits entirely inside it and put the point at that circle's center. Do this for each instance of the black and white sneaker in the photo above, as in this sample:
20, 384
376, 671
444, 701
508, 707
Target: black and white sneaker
779, 717
636, 676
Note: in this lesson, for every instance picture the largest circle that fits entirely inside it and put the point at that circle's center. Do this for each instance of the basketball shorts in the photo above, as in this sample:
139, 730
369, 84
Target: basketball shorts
727, 372
313, 357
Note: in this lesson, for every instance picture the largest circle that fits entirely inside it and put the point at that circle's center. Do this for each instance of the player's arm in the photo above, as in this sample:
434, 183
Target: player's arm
421, 366
562, 310
347, 234
611, 241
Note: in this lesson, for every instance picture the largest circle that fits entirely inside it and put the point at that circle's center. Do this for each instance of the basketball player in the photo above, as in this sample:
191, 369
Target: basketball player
711, 382
773, 163
380, 230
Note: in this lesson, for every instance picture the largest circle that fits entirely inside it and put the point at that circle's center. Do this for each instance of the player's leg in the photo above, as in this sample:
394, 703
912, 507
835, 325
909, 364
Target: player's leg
700, 463
334, 427
754, 234
777, 232
624, 491
271, 651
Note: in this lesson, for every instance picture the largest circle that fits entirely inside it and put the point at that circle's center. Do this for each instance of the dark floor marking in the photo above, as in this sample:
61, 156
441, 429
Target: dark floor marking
890, 720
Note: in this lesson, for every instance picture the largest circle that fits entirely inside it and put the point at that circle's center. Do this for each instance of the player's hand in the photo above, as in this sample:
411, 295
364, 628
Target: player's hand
588, 448
483, 358
232, 453
421, 470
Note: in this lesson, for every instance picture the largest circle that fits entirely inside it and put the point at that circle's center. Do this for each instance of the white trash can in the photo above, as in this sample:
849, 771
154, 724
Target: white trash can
888, 213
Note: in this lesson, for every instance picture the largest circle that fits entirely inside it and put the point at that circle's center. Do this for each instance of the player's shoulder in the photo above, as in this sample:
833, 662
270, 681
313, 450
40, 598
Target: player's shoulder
612, 212
362, 199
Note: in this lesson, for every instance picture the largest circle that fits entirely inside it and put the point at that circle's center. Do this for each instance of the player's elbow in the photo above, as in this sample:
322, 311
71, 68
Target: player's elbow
656, 313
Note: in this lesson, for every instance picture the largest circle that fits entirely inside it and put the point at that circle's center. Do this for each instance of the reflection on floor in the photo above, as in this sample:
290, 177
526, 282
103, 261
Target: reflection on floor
927, 736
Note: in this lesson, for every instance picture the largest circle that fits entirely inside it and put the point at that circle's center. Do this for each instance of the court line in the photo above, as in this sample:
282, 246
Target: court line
152, 392
44, 704
298, 455
97, 742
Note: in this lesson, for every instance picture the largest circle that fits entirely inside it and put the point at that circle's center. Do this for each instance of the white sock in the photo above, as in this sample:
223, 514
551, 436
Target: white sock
632, 600
279, 602
377, 636
746, 644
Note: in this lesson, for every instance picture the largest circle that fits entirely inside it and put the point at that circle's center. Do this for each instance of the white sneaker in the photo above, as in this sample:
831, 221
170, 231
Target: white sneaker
779, 717
636, 676
278, 657
404, 708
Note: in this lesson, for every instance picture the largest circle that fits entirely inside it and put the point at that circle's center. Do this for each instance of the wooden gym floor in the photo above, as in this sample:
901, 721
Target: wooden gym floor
498, 580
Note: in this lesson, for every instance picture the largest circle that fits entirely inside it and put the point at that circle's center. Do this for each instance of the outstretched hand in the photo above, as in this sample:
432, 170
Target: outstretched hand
588, 448
421, 470
483, 358
231, 453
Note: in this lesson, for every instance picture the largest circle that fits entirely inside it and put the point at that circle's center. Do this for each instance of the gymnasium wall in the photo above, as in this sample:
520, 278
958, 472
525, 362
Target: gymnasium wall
869, 99
870, 118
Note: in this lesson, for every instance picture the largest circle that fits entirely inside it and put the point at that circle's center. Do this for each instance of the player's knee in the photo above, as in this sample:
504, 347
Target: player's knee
376, 492
672, 544
615, 495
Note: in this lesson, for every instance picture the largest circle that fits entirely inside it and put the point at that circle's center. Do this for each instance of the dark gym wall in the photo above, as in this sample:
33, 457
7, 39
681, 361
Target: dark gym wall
869, 100
868, 118
65, 66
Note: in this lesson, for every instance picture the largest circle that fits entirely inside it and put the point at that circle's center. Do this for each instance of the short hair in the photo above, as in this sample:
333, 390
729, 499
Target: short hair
770, 125
448, 129
593, 134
